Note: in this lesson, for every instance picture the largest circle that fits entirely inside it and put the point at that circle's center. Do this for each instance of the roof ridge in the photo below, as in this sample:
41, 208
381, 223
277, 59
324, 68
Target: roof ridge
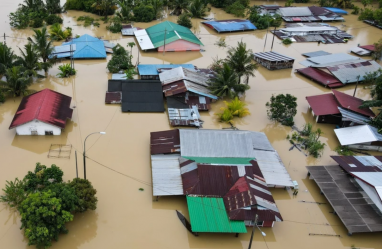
45, 91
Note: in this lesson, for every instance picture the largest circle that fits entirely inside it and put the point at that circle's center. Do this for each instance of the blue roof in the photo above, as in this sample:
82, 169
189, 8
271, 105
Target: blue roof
88, 47
230, 25
337, 10
152, 69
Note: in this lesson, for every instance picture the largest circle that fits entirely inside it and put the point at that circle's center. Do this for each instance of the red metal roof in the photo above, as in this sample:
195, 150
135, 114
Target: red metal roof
320, 76
346, 161
113, 97
324, 104
368, 47
352, 103
46, 106
174, 88
165, 142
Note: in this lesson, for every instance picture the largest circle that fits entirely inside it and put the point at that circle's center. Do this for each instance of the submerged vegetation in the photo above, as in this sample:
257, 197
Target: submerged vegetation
46, 203
120, 60
57, 34
185, 20
66, 70
235, 108
282, 108
263, 21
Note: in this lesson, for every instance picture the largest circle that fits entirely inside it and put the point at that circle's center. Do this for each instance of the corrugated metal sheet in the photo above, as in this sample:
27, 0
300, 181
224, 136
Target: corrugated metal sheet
316, 53
372, 192
152, 69
324, 104
295, 11
221, 160
359, 163
330, 60
180, 73
337, 10
47, 106
113, 98
63, 49
369, 161
143, 39
353, 117
209, 215
108, 44
165, 142
184, 117
88, 47
273, 56
166, 175
260, 141
320, 76
352, 103
360, 51
183, 86
352, 72
368, 47
372, 178
273, 169
230, 25
61, 55
358, 135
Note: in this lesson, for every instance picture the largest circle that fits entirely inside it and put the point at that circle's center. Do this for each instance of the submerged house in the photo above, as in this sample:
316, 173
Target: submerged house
354, 190
151, 71
336, 69
232, 169
308, 14
361, 137
177, 38
230, 25
84, 47
129, 29
42, 113
339, 108
273, 60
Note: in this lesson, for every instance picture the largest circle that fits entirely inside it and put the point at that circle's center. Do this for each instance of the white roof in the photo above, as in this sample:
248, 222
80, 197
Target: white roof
307, 28
357, 135
143, 39
373, 193
295, 11
372, 178
360, 51
167, 179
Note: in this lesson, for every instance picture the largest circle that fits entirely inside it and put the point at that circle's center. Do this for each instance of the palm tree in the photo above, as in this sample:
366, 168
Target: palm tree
105, 6
29, 59
179, 6
7, 58
240, 60
17, 82
53, 6
44, 46
198, 8
226, 83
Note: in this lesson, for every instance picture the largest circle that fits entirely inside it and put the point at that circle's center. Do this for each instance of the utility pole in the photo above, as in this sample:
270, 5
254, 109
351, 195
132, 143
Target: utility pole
76, 164
4, 40
164, 47
273, 37
253, 231
356, 85
266, 36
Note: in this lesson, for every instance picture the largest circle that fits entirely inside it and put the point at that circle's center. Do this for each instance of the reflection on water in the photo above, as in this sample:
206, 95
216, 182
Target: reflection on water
127, 217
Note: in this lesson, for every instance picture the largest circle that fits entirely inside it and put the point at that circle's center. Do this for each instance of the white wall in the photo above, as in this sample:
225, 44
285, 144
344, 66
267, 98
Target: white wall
41, 127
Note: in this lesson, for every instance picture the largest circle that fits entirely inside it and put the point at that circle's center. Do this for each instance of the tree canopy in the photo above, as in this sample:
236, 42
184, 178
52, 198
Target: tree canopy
282, 108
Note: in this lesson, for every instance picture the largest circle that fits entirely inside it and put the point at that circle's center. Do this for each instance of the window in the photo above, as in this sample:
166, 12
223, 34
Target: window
48, 132
34, 132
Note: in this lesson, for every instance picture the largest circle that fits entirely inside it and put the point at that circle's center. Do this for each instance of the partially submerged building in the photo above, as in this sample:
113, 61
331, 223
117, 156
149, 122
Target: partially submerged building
353, 189
42, 113
316, 53
177, 38
128, 30
84, 47
308, 14
361, 137
339, 108
151, 71
234, 167
273, 60
343, 67
230, 25
136, 95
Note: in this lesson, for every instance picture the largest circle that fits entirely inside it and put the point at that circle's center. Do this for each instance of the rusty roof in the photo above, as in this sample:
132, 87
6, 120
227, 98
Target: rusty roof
320, 76
368, 47
359, 163
165, 142
352, 103
113, 97
324, 104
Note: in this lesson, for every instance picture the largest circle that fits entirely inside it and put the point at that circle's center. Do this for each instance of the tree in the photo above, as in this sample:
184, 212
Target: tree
29, 60
226, 83
105, 6
377, 54
53, 6
14, 193
144, 13
66, 70
44, 46
282, 108
85, 193
17, 82
120, 60
57, 34
240, 60
43, 218
67, 194
42, 177
238, 8
124, 12
157, 6
185, 20
179, 6
365, 3
7, 58
198, 8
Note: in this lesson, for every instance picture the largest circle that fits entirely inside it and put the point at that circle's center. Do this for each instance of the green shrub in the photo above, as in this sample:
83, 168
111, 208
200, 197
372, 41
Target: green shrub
237, 9
287, 41
66, 71
115, 25
15, 193
85, 193
2, 97
344, 151
144, 13
37, 23
282, 108
185, 20
52, 19
87, 20
120, 60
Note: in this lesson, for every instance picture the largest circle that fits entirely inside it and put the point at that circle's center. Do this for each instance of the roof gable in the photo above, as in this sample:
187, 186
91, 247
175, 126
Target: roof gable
46, 106
351, 103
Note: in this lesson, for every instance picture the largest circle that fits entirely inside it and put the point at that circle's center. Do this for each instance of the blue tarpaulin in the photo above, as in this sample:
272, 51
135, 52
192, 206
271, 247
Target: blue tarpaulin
88, 47
230, 25
152, 69
337, 10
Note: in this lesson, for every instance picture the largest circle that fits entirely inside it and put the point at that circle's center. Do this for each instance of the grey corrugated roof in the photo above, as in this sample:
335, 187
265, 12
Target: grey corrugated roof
188, 114
180, 73
349, 72
272, 56
316, 53
260, 141
166, 174
354, 117
330, 60
295, 11
358, 134
63, 49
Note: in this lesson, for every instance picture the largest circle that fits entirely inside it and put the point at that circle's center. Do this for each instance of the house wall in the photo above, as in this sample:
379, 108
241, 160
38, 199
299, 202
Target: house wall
268, 223
40, 127
180, 46
329, 119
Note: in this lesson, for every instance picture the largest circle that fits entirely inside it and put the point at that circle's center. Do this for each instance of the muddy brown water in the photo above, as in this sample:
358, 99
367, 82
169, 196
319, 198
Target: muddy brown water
127, 217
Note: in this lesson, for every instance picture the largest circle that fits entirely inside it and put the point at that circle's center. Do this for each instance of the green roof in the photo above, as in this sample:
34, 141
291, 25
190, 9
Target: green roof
174, 32
209, 215
221, 160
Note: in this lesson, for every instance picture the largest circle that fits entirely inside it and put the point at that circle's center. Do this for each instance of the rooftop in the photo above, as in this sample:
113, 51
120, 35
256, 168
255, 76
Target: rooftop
230, 25
88, 47
272, 56
358, 135
180, 73
316, 53
320, 76
352, 72
152, 69
352, 103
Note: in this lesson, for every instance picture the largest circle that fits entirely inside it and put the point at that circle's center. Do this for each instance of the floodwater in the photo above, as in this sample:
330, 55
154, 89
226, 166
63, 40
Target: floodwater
119, 161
